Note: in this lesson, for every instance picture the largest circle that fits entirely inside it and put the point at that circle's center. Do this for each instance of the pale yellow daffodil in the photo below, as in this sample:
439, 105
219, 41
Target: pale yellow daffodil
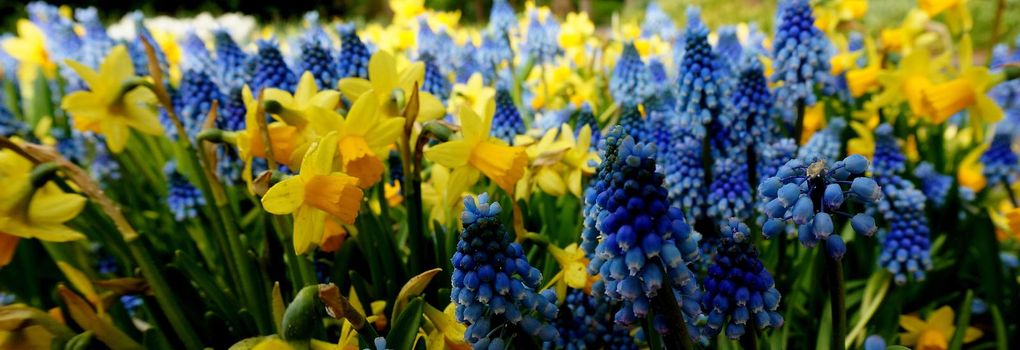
477, 151
115, 102
317, 193
389, 83
935, 332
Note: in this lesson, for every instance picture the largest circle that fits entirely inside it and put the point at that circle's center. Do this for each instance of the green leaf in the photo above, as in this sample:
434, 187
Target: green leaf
962, 321
405, 328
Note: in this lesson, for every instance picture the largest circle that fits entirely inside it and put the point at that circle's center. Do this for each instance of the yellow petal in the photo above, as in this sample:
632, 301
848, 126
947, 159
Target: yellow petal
272, 344
116, 134
308, 228
942, 320
90, 76
306, 88
471, 125
285, 196
912, 323
362, 115
80, 281
429, 107
410, 75
52, 233
83, 104
988, 110
319, 158
451, 154
328, 99
54, 208
382, 71
972, 334
116, 69
384, 134
354, 87
550, 182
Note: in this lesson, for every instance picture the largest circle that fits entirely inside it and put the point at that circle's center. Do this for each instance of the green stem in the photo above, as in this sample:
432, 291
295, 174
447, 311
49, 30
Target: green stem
837, 294
677, 338
962, 322
165, 296
798, 128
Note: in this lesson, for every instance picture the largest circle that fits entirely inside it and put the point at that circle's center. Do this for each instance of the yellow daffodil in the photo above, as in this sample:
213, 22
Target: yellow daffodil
406, 10
115, 102
449, 334
473, 93
250, 142
956, 11
814, 120
864, 143
902, 38
966, 91
1013, 220
574, 36
317, 193
387, 82
916, 72
862, 80
363, 137
545, 156
573, 263
443, 193
167, 41
579, 159
29, 48
306, 95
476, 151
393, 194
829, 14
30, 212
933, 333
970, 171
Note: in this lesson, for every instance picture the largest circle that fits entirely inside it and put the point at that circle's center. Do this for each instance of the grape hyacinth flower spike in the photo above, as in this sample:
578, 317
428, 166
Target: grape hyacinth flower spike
811, 195
739, 292
494, 287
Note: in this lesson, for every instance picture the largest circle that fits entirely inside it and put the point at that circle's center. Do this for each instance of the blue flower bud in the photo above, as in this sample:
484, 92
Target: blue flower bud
856, 164
833, 196
866, 189
863, 224
822, 226
835, 247
803, 210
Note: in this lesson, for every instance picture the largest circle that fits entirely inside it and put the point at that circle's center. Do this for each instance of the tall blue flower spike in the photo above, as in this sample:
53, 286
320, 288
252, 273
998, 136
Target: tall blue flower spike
95, 43
584, 322
934, 185
541, 43
1001, 163
352, 61
1000, 56
196, 95
634, 124
630, 83
644, 245
196, 56
585, 116
270, 69
888, 159
233, 65
183, 198
770, 158
608, 151
502, 18
739, 291
825, 144
494, 287
809, 195
314, 31
435, 82
506, 122
728, 47
685, 176
658, 22
906, 249
755, 44
317, 58
753, 102
661, 82
432, 44
702, 93
729, 195
800, 53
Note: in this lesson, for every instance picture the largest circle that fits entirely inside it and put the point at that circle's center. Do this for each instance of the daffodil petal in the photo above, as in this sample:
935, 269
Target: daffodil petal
429, 107
452, 154
354, 87
363, 114
285, 196
54, 208
309, 224
382, 71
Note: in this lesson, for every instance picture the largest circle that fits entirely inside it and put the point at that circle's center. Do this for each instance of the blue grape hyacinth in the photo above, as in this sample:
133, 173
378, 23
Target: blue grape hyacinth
584, 322
1001, 162
585, 116
728, 47
810, 195
233, 68
352, 61
800, 53
753, 102
729, 195
888, 159
96, 43
506, 122
702, 95
634, 124
658, 22
630, 83
685, 176
609, 148
196, 95
644, 244
906, 247
494, 287
435, 82
934, 185
541, 43
183, 198
270, 69
317, 58
739, 292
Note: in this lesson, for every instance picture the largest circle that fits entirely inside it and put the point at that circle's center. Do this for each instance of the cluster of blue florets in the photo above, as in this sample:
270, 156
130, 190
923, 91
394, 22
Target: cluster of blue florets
686, 176
630, 83
584, 322
1001, 162
934, 185
541, 43
809, 195
634, 124
507, 121
906, 249
739, 292
352, 61
701, 93
270, 69
494, 287
729, 195
825, 144
800, 53
644, 245
317, 58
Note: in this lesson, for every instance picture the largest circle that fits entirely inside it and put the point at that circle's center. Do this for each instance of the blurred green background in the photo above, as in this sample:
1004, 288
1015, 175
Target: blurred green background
881, 13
